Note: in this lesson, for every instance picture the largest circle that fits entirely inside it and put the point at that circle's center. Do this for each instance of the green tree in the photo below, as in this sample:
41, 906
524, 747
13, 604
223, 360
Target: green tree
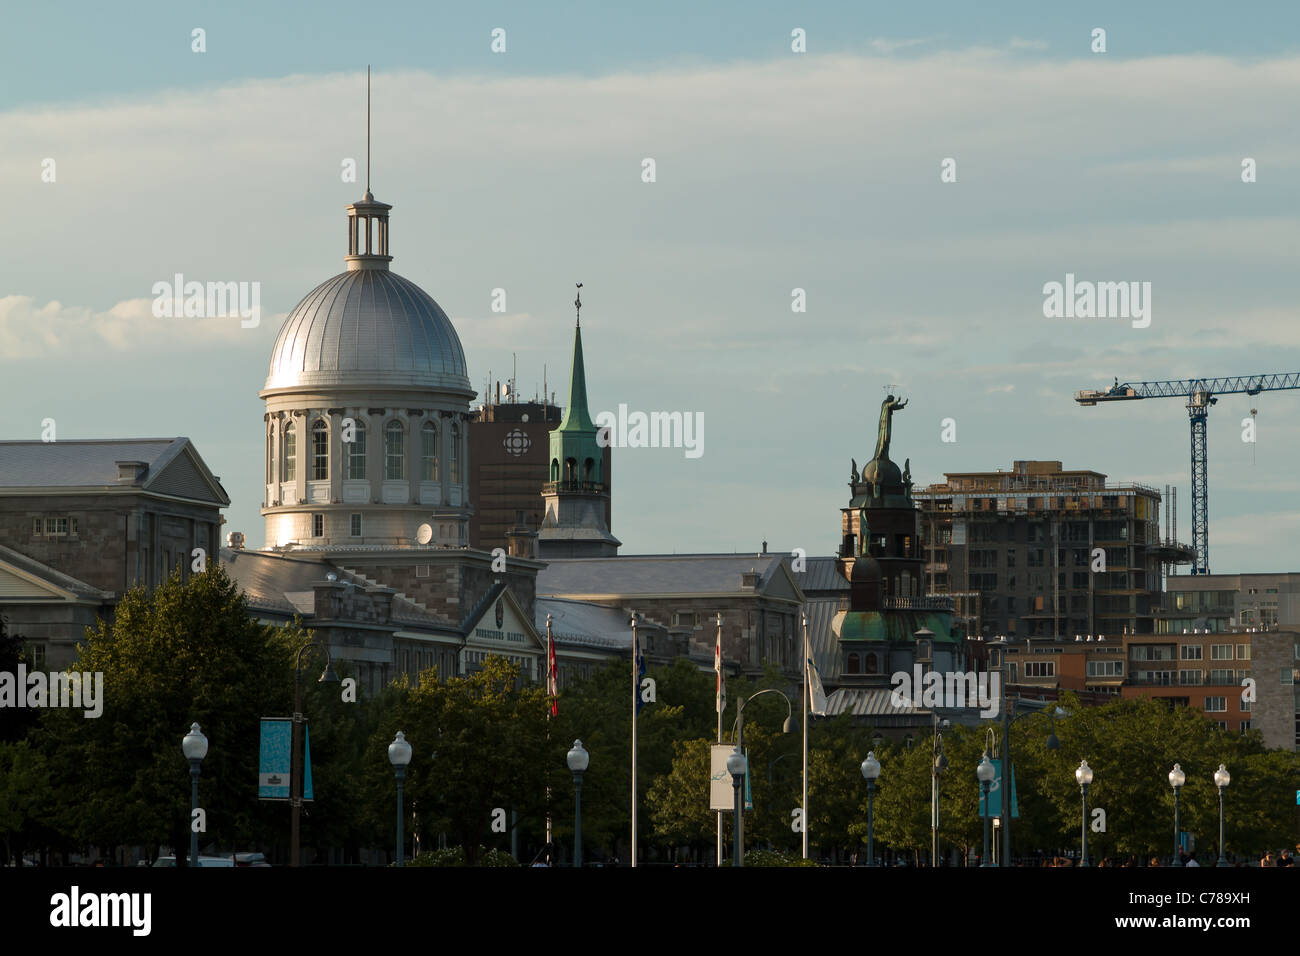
479, 743
26, 797
189, 652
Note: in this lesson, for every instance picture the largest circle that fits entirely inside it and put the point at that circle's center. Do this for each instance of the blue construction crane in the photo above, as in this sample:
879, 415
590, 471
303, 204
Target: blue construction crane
1200, 394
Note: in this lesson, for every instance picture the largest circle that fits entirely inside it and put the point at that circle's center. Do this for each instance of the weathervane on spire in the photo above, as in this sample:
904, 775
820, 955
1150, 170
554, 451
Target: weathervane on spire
578, 304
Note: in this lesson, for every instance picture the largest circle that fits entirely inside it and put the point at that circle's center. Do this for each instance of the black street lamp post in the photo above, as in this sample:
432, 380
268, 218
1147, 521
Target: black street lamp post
871, 770
399, 755
1221, 780
1176, 780
1084, 776
577, 758
195, 747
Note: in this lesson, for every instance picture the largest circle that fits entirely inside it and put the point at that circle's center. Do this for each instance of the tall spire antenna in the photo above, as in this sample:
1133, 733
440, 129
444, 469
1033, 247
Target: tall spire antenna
578, 304
367, 127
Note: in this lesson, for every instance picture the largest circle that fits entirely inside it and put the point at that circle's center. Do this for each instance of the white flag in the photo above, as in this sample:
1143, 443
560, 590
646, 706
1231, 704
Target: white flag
816, 695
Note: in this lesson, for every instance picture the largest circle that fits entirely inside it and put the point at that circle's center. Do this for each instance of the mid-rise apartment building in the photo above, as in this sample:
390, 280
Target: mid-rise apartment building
1039, 551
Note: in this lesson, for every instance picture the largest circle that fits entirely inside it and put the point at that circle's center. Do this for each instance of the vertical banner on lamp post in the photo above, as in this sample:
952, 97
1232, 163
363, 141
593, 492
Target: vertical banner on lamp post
720, 793
995, 793
274, 759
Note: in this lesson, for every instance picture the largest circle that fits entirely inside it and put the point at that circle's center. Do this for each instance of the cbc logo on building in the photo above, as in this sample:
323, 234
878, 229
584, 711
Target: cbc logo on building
517, 443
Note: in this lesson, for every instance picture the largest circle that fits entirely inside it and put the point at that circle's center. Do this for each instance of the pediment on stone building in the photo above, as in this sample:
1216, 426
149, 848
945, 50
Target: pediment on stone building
23, 579
500, 624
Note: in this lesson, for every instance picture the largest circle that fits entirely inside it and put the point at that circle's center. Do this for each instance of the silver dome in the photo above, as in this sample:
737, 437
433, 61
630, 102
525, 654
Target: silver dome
368, 327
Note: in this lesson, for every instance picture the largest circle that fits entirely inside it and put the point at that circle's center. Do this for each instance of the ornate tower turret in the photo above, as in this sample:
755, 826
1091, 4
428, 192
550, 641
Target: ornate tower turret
577, 492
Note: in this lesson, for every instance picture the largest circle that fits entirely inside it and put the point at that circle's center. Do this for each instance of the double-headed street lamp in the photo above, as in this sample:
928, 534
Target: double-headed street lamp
1221, 780
1083, 774
399, 755
985, 774
871, 770
1176, 780
295, 757
736, 764
937, 768
577, 758
738, 736
195, 747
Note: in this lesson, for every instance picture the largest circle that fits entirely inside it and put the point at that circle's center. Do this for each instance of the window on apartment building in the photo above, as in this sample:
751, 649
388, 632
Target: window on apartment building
56, 527
1011, 557
1040, 668
1216, 705
1223, 724
1105, 668
1157, 678
1189, 652
1080, 580
1190, 676
1245, 707
1035, 557
318, 526
1245, 726
1222, 676
355, 521
1243, 652
38, 526
684, 619
1288, 675
1220, 652
34, 656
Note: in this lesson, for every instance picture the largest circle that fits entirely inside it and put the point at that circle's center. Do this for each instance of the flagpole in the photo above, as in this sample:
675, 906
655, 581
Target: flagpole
636, 652
718, 705
550, 687
806, 708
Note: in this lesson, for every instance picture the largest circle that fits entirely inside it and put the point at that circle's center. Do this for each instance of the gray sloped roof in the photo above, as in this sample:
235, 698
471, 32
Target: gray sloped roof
93, 464
822, 640
268, 580
581, 624
868, 701
821, 574
655, 574
47, 573
286, 584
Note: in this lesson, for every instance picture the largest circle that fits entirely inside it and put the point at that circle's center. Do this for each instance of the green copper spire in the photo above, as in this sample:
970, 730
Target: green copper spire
576, 417
576, 456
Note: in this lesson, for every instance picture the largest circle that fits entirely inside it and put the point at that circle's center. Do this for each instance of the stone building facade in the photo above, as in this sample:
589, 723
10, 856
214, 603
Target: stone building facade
82, 522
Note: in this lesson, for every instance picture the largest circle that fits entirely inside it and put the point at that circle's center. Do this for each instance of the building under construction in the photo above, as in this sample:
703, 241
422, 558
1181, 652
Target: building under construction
1038, 551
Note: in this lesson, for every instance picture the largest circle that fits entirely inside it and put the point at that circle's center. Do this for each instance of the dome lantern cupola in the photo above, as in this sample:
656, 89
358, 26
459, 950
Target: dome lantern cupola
368, 234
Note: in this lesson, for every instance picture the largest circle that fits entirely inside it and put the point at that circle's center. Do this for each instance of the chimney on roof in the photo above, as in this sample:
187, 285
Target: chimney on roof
129, 472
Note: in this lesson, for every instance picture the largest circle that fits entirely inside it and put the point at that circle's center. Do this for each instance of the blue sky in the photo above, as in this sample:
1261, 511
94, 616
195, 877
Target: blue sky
775, 171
